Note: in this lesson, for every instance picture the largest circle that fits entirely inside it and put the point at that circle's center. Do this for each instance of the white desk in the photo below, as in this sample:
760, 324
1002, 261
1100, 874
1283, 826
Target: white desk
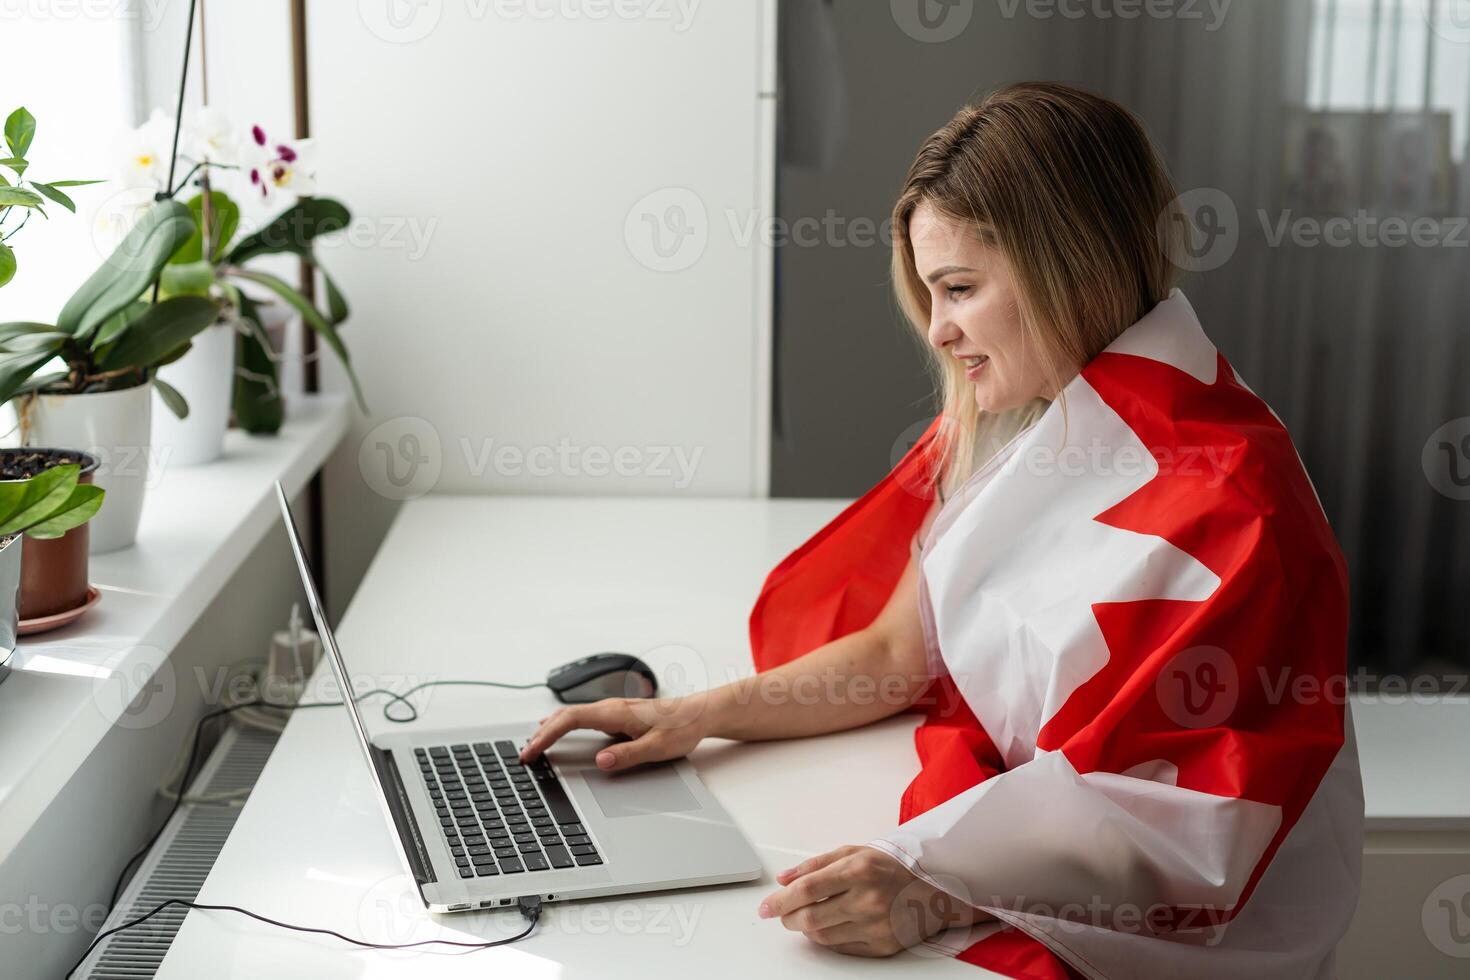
505, 588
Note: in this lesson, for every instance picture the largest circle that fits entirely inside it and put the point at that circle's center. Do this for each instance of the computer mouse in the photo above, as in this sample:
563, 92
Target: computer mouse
602, 675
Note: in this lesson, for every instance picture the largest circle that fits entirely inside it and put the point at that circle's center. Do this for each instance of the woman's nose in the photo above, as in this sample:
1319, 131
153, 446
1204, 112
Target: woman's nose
942, 331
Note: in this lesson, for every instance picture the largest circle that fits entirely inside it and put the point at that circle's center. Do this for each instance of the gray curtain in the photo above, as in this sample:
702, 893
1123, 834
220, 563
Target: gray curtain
1297, 111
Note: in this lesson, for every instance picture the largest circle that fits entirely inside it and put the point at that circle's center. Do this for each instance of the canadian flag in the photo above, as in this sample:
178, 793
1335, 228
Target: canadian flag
1136, 754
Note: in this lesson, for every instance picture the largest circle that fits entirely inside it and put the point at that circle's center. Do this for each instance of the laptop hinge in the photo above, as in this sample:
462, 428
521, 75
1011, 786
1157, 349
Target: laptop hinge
402, 810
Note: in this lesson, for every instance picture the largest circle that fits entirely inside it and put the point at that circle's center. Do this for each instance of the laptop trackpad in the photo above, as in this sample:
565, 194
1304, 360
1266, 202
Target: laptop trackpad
640, 792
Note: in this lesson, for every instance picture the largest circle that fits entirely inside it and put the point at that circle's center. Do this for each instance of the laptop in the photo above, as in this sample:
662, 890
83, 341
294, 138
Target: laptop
477, 829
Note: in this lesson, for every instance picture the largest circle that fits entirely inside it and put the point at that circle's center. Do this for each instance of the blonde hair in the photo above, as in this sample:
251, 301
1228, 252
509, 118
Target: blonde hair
1068, 188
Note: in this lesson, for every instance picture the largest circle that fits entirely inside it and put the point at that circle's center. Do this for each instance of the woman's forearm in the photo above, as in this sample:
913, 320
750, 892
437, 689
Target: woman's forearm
849, 682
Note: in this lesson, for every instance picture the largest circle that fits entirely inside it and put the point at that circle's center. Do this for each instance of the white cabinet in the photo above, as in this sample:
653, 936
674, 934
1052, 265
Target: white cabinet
558, 265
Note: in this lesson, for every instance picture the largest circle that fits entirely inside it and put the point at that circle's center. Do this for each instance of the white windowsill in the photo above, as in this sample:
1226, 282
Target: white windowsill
199, 524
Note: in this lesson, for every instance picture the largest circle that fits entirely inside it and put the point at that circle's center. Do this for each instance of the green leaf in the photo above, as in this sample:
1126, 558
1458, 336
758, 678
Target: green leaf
187, 279
7, 263
38, 499
76, 510
20, 128
129, 270
17, 367
337, 309
23, 343
313, 318
171, 397
19, 197
49, 191
72, 183
117, 323
19, 327
158, 331
15, 163
256, 398
294, 229
173, 355
224, 217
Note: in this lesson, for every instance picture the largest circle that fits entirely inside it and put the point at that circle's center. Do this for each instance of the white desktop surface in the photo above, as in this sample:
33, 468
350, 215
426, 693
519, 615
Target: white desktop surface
504, 588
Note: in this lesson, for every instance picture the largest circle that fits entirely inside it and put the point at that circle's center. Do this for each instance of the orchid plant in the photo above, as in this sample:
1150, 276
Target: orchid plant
106, 336
20, 195
214, 261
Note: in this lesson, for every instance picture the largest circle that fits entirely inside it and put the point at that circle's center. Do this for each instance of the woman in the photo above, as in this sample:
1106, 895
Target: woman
1103, 574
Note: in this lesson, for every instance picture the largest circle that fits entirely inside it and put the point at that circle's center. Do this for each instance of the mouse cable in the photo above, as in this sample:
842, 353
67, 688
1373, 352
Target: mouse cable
529, 906
257, 702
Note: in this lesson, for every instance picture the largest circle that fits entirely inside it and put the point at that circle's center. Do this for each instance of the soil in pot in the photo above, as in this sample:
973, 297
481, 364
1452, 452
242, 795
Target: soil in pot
53, 571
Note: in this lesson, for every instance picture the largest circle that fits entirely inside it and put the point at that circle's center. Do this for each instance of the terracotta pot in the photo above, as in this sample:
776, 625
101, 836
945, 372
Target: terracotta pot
53, 572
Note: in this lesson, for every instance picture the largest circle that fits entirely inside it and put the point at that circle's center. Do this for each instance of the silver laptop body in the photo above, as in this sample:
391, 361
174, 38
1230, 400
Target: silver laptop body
477, 830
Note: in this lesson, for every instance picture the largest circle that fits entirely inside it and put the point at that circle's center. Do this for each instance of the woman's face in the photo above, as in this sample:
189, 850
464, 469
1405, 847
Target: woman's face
975, 316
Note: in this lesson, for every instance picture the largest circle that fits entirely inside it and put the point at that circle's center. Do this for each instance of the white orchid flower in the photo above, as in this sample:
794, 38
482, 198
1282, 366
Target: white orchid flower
144, 152
208, 135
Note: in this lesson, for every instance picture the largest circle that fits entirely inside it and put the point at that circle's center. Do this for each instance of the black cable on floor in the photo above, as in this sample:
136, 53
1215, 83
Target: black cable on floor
529, 906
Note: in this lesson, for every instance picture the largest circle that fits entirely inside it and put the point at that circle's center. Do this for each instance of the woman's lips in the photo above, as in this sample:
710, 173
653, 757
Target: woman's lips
974, 372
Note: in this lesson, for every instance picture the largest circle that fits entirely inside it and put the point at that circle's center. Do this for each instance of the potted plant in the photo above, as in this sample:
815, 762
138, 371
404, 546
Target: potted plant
214, 263
21, 197
41, 509
108, 345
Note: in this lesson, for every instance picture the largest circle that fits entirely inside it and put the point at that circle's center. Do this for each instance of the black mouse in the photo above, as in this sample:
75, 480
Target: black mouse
602, 675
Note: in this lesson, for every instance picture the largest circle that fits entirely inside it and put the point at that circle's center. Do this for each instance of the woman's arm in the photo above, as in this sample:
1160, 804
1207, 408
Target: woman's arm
860, 678
853, 681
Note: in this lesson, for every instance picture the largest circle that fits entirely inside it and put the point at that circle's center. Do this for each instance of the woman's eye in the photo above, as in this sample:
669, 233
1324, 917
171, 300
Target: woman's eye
955, 292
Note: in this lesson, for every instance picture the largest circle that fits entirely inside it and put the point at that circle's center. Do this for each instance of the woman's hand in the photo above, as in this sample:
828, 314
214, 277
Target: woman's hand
861, 901
659, 729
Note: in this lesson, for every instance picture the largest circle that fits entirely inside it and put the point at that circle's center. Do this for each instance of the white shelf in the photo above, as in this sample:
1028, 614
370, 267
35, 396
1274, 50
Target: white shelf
1415, 754
199, 524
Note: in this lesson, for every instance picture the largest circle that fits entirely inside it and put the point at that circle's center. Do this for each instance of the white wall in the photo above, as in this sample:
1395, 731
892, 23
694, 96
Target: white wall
504, 289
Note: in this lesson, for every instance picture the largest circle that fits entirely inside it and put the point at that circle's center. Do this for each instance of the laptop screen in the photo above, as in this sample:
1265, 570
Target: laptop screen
329, 641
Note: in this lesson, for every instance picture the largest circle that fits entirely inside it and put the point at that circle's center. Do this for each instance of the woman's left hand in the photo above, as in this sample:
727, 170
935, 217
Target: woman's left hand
861, 901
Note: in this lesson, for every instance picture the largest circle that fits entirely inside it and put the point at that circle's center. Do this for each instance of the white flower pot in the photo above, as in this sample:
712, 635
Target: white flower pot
115, 427
205, 377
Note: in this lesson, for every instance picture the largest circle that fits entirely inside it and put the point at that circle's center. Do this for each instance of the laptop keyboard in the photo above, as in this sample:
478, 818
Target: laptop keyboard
499, 816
